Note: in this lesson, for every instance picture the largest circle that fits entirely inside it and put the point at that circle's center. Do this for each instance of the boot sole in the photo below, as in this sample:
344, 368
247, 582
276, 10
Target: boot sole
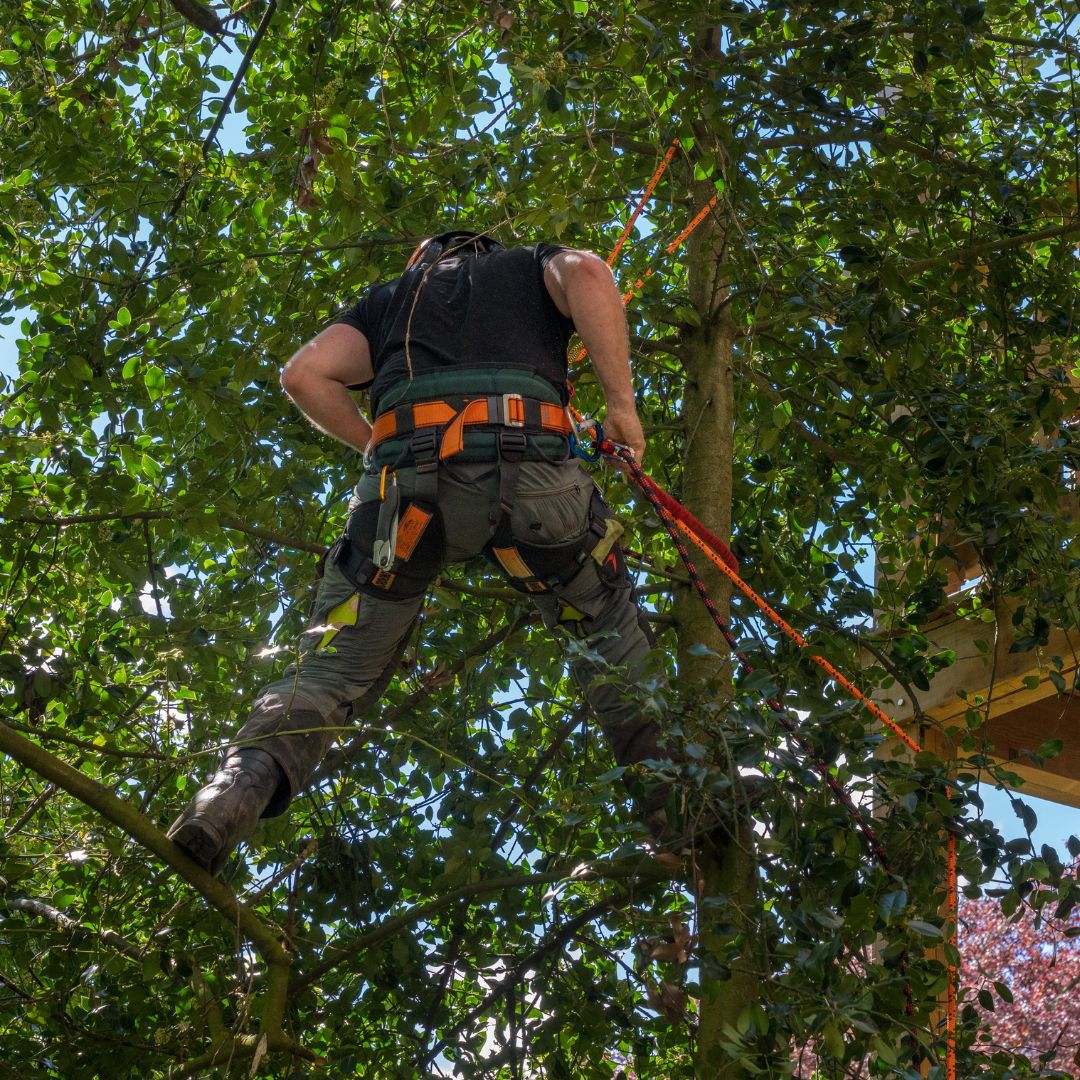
198, 841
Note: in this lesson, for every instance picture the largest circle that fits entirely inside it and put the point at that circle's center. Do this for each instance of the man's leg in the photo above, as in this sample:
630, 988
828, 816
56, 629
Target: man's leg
556, 520
347, 658
563, 535
597, 605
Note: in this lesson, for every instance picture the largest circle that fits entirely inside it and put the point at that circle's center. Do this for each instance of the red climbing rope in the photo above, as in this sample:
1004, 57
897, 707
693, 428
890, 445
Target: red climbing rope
673, 526
707, 540
677, 519
652, 492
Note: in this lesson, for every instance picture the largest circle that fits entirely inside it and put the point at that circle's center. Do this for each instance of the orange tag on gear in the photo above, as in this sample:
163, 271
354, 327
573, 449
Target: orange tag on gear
383, 579
511, 561
410, 528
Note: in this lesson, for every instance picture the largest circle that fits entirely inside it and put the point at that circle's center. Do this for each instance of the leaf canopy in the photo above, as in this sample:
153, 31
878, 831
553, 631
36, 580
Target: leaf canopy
896, 196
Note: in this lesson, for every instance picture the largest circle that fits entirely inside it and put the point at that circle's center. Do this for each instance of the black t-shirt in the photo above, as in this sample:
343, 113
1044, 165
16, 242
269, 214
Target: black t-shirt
489, 310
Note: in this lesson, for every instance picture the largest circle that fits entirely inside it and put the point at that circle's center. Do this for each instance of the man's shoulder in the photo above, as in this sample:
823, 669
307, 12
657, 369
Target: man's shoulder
540, 252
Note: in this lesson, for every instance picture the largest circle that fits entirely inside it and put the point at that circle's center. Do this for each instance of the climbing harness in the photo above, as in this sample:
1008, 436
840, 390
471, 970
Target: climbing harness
523, 415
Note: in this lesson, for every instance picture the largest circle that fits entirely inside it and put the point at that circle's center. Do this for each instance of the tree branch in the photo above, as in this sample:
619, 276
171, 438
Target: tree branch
338, 759
873, 135
36, 803
818, 138
483, 592
632, 870
156, 515
139, 828
1034, 43
233, 1050
562, 934
989, 247
199, 16
28, 905
827, 451
241, 71
92, 747
670, 345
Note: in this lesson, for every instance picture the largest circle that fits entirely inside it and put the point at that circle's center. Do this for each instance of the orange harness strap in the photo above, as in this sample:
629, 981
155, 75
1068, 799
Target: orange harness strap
509, 412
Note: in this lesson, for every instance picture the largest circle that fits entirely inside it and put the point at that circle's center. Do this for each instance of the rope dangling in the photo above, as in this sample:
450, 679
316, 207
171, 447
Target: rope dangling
660, 499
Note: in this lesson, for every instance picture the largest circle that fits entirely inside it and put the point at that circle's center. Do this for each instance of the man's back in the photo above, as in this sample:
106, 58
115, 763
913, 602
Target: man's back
468, 311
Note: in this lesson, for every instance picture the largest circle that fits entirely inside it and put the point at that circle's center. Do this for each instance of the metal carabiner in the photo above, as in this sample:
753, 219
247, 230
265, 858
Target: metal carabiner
581, 428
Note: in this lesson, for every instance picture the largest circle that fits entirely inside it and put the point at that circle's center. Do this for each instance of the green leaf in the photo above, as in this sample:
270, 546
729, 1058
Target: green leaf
154, 379
79, 367
892, 904
925, 929
1050, 749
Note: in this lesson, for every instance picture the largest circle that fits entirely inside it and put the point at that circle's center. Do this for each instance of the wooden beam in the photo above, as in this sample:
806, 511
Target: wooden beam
1018, 714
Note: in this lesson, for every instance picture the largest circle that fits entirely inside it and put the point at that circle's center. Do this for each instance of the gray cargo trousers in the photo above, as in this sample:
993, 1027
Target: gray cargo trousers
355, 637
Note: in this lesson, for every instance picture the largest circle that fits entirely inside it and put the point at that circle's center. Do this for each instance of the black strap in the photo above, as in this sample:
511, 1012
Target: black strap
513, 445
424, 447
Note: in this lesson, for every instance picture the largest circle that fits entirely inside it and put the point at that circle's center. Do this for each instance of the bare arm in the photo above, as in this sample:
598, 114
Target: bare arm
582, 287
317, 379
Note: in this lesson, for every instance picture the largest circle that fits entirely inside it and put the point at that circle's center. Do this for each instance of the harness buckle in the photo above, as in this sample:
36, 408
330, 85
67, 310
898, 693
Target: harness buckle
513, 445
513, 411
425, 449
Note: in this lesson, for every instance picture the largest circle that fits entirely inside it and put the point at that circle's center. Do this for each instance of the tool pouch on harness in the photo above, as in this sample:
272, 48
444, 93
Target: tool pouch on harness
392, 547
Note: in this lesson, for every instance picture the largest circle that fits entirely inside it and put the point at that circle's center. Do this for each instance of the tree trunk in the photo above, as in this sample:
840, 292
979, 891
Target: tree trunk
708, 416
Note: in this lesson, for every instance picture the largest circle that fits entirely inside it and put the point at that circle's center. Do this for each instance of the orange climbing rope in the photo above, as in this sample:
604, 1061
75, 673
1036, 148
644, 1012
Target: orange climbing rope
789, 631
951, 894
698, 218
676, 517
650, 187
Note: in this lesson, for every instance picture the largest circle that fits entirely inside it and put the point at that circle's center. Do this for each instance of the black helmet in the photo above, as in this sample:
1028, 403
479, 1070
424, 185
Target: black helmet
434, 248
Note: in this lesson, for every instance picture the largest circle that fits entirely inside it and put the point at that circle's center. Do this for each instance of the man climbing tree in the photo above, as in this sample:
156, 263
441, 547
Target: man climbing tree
865, 350
465, 357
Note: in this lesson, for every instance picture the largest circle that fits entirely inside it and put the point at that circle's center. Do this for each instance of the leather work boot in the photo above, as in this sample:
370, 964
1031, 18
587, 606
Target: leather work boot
226, 810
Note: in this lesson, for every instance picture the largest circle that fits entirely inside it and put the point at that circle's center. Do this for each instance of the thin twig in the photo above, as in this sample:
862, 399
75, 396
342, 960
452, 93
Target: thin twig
639, 870
238, 78
157, 515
